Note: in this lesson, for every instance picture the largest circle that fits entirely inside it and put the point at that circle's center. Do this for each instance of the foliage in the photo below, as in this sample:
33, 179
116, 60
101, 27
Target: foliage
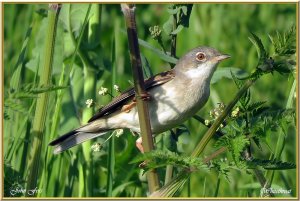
158, 158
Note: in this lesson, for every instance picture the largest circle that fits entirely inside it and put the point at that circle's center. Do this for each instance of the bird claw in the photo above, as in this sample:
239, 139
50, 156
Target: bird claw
144, 96
143, 164
127, 108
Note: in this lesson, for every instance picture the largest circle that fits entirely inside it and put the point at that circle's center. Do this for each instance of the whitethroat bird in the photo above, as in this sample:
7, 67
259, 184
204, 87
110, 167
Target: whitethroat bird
175, 96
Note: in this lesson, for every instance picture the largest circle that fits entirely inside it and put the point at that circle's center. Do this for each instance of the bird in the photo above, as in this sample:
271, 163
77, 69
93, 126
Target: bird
173, 97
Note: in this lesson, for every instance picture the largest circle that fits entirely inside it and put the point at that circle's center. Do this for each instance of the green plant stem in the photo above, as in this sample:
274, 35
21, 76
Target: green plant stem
217, 187
136, 64
201, 120
42, 102
89, 90
211, 131
169, 173
111, 144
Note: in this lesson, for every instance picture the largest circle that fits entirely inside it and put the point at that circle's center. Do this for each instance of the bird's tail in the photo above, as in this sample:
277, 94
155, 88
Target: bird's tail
72, 139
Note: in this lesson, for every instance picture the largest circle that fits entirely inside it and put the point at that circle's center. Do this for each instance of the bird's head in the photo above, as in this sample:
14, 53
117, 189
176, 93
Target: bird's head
199, 62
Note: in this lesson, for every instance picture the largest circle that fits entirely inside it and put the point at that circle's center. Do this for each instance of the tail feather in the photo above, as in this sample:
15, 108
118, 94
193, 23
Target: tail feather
62, 138
72, 139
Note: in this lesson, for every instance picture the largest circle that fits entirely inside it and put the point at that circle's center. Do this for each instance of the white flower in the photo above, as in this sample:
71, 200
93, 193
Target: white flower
235, 112
89, 102
211, 113
217, 113
96, 147
117, 88
119, 132
221, 105
103, 91
206, 122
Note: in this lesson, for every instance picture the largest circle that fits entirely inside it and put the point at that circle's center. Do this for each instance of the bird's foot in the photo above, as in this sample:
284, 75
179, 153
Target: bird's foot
144, 96
143, 164
127, 108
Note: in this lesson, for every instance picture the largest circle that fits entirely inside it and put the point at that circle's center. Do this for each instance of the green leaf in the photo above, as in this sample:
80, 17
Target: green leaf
146, 67
255, 106
238, 144
262, 54
159, 53
177, 30
226, 72
270, 164
172, 187
118, 189
173, 10
284, 44
15, 106
159, 158
168, 26
284, 66
15, 79
39, 50
184, 16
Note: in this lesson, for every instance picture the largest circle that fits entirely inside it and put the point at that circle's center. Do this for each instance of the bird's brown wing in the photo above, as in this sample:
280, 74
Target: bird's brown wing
120, 100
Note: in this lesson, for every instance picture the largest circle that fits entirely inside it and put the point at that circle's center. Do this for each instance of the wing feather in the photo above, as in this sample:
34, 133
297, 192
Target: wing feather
128, 95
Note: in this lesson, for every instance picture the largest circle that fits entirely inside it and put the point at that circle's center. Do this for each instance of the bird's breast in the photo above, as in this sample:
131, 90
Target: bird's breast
174, 103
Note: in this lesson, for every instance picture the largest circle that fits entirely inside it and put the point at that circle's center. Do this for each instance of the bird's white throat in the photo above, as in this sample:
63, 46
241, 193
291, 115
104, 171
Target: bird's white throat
203, 71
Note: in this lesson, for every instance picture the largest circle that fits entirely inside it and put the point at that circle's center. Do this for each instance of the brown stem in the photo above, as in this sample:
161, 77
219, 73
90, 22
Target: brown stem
215, 154
174, 39
142, 106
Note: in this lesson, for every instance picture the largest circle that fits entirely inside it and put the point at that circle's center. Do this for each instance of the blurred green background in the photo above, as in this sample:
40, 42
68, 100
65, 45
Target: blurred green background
225, 27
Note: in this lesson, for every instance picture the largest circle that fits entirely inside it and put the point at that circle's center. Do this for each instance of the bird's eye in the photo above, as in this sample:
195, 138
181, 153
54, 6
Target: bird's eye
200, 56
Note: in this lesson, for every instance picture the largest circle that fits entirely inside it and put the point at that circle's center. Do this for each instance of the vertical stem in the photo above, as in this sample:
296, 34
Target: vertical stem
89, 90
139, 87
42, 102
217, 187
174, 37
169, 173
111, 144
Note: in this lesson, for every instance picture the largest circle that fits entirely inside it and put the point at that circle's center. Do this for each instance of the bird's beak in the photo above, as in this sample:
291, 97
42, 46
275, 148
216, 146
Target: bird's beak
222, 57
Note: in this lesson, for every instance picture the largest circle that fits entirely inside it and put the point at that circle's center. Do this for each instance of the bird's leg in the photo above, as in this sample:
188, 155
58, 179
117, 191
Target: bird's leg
138, 144
128, 107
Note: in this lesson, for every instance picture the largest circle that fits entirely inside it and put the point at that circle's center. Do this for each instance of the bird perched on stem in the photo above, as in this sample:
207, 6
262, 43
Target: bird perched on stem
174, 96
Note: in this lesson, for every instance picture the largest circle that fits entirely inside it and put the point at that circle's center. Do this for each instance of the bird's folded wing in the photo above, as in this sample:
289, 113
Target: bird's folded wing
119, 101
